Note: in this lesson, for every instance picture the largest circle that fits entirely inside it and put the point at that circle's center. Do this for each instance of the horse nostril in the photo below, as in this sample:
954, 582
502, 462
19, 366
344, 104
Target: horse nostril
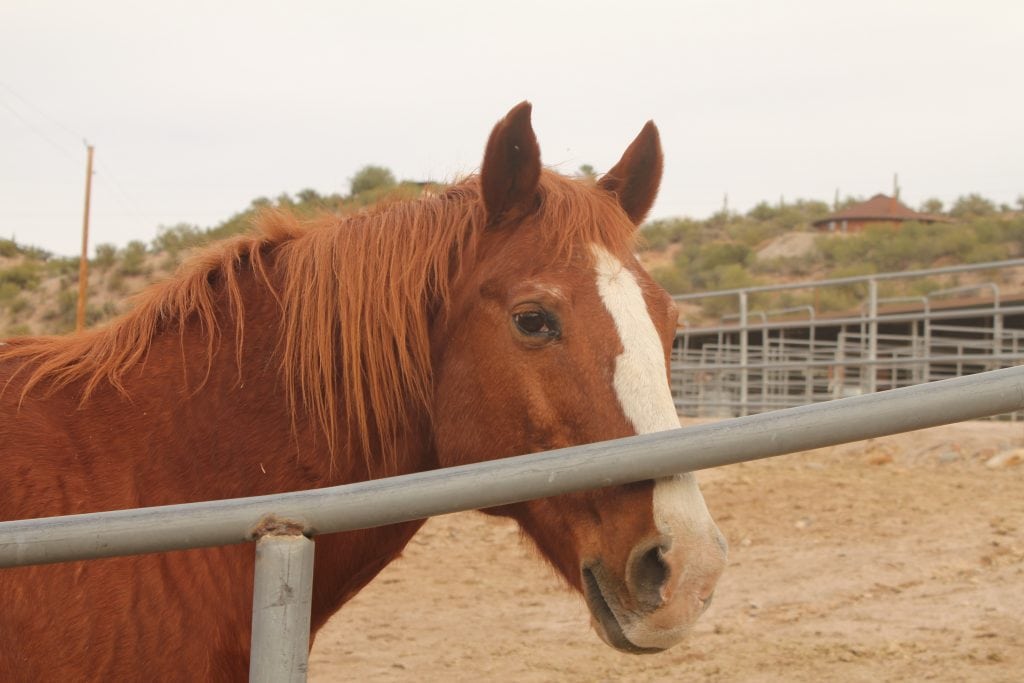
648, 574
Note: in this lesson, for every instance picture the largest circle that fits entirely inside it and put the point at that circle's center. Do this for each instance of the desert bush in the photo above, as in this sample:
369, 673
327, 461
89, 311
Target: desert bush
972, 205
8, 248
63, 266
922, 287
789, 215
833, 299
170, 262
370, 178
8, 291
657, 235
19, 306
752, 233
980, 253
106, 257
24, 275
108, 310
719, 306
62, 317
176, 238
671, 279
62, 314
713, 256
789, 266
844, 297
732, 276
116, 283
893, 248
133, 259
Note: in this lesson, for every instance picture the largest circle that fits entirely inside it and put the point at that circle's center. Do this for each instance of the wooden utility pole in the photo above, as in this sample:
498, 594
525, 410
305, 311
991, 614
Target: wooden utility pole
83, 264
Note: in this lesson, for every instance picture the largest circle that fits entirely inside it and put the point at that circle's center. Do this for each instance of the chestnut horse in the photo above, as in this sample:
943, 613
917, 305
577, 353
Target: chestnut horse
505, 316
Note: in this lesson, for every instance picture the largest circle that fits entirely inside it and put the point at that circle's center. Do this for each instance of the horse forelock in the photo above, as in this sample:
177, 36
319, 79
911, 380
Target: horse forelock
356, 295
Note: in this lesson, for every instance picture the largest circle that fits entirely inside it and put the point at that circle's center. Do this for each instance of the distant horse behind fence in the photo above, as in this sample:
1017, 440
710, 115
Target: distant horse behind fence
505, 316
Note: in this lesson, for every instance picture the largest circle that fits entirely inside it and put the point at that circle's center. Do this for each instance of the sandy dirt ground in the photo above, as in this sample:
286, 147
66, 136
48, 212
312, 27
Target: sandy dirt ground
897, 559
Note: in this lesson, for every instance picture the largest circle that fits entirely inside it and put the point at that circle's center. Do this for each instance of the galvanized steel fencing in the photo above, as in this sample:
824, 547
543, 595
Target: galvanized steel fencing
758, 360
284, 525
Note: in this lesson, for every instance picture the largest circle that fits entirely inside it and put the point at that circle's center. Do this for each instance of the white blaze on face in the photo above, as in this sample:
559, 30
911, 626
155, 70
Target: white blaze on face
640, 380
642, 388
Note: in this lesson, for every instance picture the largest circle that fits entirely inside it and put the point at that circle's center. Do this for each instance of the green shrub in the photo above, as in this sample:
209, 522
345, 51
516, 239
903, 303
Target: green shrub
106, 257
116, 283
62, 315
176, 238
370, 178
9, 291
133, 259
66, 266
972, 205
20, 305
706, 268
922, 286
981, 253
657, 235
671, 279
834, 299
789, 266
24, 275
170, 262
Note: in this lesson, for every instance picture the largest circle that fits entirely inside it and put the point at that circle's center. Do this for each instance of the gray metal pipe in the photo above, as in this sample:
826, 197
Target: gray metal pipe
973, 358
850, 320
854, 279
499, 482
281, 597
744, 354
872, 334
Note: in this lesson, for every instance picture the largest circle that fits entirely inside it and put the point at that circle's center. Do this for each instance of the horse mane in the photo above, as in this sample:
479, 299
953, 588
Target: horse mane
356, 295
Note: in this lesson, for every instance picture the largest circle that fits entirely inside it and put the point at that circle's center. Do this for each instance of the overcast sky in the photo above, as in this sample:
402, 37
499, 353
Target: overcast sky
196, 108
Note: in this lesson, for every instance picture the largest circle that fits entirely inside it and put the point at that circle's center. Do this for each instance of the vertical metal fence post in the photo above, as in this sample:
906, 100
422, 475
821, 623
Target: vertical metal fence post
839, 376
927, 341
282, 594
872, 366
997, 327
744, 352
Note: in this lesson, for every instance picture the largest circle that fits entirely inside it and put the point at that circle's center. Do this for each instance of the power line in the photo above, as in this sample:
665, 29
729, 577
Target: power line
73, 133
100, 172
31, 126
103, 172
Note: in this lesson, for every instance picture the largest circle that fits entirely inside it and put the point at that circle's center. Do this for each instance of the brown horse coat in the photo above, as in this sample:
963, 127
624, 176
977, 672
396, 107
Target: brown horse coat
410, 336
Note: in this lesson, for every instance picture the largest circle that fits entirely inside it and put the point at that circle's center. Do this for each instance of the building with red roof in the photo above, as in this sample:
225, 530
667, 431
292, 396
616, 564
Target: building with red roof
877, 210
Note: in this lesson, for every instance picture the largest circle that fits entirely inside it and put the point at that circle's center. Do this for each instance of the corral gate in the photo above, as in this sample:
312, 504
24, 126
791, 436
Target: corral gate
284, 525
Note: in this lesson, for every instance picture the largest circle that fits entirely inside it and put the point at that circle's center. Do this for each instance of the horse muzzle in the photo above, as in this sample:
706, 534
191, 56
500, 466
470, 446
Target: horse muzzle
662, 593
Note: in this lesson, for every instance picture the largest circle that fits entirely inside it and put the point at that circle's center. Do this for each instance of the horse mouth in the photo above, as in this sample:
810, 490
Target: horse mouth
611, 630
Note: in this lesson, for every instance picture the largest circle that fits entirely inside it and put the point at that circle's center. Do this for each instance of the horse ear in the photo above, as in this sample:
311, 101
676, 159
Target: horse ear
635, 179
511, 168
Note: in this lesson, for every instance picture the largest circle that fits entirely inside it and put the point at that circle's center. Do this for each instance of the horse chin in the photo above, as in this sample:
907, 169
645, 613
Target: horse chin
603, 618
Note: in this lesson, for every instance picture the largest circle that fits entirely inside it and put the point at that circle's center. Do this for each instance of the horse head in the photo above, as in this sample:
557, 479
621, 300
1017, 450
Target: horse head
556, 336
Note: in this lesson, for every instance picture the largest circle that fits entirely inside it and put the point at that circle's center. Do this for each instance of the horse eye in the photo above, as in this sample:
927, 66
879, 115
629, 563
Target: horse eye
535, 324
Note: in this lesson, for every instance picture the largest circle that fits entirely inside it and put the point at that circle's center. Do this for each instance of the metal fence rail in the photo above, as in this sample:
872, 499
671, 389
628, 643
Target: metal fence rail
304, 514
752, 361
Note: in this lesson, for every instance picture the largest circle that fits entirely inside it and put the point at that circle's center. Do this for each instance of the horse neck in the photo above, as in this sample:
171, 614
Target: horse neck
216, 423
